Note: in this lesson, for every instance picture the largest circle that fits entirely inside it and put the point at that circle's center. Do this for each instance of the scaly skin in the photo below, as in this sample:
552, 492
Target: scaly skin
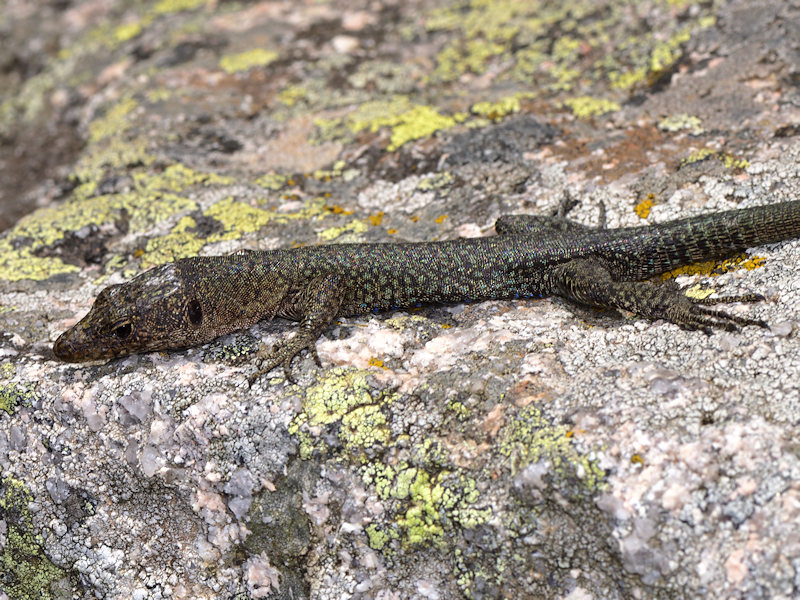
194, 300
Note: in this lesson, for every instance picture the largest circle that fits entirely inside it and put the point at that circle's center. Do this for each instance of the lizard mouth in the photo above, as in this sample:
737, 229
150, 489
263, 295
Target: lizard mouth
70, 348
64, 349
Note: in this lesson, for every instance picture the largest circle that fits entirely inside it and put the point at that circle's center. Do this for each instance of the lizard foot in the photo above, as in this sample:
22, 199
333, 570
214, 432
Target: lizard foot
588, 281
706, 319
282, 355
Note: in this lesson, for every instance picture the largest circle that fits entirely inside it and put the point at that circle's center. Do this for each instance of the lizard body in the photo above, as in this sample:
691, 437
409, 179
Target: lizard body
194, 300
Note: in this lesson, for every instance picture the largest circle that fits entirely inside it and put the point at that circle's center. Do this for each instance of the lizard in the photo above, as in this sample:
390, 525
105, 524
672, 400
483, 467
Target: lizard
193, 300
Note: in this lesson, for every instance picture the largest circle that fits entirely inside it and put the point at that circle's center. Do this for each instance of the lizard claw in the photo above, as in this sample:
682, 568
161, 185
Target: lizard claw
282, 355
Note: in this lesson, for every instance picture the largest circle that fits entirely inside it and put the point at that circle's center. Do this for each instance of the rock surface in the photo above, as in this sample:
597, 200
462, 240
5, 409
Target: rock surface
495, 450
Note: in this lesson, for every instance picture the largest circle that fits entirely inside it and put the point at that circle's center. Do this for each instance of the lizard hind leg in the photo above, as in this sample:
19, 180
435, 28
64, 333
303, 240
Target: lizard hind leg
589, 282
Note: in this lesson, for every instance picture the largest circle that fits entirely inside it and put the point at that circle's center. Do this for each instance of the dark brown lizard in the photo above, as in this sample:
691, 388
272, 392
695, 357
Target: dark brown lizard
195, 300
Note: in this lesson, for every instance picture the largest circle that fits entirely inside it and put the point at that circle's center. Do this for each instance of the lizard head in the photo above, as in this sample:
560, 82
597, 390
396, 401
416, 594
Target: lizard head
156, 310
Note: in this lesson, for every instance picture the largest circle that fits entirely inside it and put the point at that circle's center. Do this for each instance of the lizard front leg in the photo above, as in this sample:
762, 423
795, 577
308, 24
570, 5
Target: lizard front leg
315, 307
589, 282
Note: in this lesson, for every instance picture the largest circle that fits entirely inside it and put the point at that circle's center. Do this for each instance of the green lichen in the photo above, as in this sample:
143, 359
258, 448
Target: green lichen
486, 31
353, 228
272, 181
378, 537
113, 153
585, 106
433, 500
114, 123
666, 54
438, 503
293, 94
529, 438
727, 159
155, 197
165, 7
499, 109
435, 181
338, 170
345, 403
181, 242
661, 58
13, 395
257, 57
27, 572
19, 263
158, 94
406, 121
235, 220
461, 57
483, 36
127, 31
682, 122
458, 409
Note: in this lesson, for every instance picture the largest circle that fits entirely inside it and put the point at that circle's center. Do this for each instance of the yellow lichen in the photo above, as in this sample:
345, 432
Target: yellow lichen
529, 438
682, 122
114, 122
164, 7
354, 227
257, 57
727, 159
712, 267
343, 398
497, 110
127, 31
586, 106
642, 209
407, 121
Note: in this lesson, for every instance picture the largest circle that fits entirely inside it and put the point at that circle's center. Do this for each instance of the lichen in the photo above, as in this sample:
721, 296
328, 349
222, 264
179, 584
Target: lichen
356, 226
406, 121
28, 573
431, 500
585, 106
343, 402
13, 395
114, 123
682, 122
155, 197
529, 438
257, 57
235, 219
495, 111
727, 159
643, 208
713, 267
165, 7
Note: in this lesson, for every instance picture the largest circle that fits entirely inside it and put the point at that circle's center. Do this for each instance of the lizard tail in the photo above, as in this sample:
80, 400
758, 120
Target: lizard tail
653, 250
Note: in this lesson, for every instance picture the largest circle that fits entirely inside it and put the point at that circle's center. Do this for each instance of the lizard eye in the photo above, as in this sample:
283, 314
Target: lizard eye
122, 331
195, 312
